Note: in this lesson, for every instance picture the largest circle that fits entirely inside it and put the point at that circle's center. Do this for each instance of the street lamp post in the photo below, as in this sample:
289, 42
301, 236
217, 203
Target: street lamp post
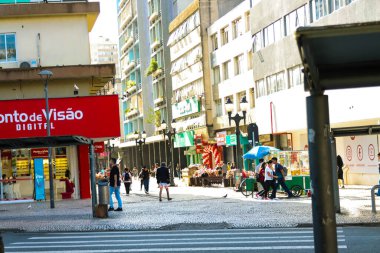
110, 148
170, 133
45, 75
229, 108
140, 140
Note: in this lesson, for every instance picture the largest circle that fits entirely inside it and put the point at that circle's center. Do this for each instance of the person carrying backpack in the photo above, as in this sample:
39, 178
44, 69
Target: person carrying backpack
279, 170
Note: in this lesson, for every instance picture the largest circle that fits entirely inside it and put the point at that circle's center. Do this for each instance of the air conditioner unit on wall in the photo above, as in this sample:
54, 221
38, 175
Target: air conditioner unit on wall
29, 64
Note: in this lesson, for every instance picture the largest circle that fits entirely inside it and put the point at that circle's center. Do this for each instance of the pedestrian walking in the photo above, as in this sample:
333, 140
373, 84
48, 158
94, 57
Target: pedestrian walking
339, 165
127, 179
163, 179
145, 178
260, 186
178, 169
280, 174
115, 185
224, 169
135, 173
269, 178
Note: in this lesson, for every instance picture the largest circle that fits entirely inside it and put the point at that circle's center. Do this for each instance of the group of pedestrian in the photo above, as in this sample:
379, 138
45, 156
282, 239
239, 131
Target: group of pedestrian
270, 175
115, 178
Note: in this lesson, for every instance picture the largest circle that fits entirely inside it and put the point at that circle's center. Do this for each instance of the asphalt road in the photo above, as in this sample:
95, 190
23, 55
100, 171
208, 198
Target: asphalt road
350, 239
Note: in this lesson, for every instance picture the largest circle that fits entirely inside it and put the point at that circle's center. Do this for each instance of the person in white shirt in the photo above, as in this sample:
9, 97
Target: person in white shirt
269, 179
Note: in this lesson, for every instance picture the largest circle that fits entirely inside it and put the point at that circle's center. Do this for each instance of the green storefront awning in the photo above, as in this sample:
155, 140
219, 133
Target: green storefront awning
184, 139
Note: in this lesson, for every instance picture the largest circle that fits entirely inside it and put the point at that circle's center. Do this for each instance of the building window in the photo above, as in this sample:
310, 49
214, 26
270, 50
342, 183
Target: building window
214, 41
240, 95
275, 82
260, 88
218, 107
237, 29
250, 60
295, 76
299, 17
216, 73
252, 97
272, 33
226, 67
7, 47
238, 64
224, 33
247, 21
257, 42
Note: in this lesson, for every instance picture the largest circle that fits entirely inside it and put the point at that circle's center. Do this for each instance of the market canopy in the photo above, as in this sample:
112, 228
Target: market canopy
36, 142
340, 56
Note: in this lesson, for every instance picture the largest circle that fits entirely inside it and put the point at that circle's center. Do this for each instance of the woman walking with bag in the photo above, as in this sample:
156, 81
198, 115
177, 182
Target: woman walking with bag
127, 179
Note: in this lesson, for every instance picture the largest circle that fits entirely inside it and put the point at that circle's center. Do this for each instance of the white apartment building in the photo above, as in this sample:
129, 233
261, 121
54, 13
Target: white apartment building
280, 96
231, 66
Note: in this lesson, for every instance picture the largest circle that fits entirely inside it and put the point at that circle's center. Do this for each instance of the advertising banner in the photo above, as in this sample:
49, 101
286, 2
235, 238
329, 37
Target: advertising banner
91, 117
221, 138
184, 139
359, 153
39, 181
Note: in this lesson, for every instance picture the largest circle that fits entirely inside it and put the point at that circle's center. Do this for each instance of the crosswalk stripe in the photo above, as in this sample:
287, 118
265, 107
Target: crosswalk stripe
190, 231
176, 239
188, 249
176, 235
146, 244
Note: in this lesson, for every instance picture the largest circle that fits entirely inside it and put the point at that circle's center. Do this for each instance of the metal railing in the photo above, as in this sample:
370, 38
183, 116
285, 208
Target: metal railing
373, 197
40, 1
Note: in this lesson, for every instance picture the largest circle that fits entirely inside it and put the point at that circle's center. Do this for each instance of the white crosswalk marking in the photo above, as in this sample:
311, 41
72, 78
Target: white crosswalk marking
223, 240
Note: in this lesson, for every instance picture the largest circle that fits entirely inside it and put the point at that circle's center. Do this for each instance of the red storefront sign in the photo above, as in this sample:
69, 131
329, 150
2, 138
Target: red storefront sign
91, 117
99, 147
39, 152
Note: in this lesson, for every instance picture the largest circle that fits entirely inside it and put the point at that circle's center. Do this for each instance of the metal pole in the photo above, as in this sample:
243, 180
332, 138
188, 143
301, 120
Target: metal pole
172, 160
334, 175
373, 199
237, 131
51, 182
92, 176
324, 221
141, 153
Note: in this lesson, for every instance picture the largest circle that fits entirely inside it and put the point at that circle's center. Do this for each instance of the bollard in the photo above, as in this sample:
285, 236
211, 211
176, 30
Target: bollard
373, 197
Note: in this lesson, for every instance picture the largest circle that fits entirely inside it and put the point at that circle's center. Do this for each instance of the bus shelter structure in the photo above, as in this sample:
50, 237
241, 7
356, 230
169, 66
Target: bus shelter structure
333, 57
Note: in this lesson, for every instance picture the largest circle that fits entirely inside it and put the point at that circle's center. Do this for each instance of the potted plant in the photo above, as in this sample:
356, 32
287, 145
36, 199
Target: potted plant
153, 66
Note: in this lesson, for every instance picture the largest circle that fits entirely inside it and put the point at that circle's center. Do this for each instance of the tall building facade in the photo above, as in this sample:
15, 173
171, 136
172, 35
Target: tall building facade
231, 74
280, 96
191, 82
146, 82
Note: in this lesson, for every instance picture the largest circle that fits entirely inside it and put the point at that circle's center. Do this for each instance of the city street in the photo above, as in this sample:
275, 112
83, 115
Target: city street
220, 240
350, 239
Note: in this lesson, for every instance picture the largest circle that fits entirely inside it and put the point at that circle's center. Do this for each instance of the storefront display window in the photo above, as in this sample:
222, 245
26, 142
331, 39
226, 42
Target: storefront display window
297, 162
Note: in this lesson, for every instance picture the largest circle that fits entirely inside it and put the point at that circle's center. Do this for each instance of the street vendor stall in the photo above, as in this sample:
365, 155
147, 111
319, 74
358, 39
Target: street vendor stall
297, 163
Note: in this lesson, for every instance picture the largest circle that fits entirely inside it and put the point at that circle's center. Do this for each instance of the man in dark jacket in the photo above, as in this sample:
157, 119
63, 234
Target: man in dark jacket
163, 179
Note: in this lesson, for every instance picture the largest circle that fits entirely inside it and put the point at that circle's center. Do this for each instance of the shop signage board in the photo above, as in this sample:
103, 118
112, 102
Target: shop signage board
231, 140
359, 153
39, 152
184, 139
186, 107
99, 147
79, 116
221, 138
39, 181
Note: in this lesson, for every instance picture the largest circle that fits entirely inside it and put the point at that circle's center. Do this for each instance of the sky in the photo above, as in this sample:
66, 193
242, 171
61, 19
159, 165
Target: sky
106, 24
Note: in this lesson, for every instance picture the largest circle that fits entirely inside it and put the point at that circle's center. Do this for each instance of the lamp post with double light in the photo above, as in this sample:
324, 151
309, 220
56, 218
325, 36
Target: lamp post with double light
45, 76
140, 140
229, 106
170, 133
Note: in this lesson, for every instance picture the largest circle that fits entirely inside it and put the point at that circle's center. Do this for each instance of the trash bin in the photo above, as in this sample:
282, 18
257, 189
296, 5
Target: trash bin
103, 192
